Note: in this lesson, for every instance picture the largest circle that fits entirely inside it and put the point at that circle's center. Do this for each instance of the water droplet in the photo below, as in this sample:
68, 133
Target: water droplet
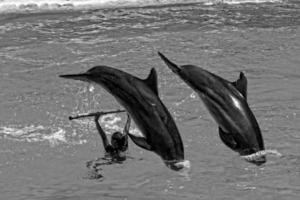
193, 95
91, 88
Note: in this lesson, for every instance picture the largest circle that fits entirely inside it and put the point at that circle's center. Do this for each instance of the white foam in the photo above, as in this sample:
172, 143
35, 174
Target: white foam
56, 137
111, 122
25, 5
259, 154
250, 1
185, 164
42, 5
33, 133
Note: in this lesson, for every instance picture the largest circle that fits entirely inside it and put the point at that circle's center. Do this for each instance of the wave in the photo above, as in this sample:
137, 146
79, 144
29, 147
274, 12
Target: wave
55, 135
33, 133
7, 6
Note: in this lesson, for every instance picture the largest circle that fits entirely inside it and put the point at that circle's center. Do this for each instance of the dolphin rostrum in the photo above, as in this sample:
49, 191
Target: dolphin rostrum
227, 103
140, 98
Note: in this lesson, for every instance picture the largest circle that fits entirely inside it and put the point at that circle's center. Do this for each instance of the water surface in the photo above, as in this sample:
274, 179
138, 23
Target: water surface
43, 155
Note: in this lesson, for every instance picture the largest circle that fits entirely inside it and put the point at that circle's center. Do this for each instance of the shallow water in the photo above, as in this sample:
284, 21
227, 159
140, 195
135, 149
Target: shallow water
43, 155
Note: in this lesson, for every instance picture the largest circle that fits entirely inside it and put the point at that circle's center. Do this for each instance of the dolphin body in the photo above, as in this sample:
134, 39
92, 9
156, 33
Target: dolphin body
140, 99
227, 103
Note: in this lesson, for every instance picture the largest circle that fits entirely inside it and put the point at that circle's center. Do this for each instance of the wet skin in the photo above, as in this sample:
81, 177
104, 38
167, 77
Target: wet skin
227, 103
119, 142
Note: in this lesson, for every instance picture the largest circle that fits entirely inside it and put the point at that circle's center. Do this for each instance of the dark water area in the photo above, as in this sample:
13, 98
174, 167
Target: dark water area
43, 155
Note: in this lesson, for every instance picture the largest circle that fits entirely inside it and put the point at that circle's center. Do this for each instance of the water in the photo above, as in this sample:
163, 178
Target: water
43, 155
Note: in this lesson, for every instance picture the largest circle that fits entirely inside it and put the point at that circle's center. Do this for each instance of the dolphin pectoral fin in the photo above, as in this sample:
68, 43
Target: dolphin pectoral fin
228, 139
151, 81
170, 64
141, 142
241, 85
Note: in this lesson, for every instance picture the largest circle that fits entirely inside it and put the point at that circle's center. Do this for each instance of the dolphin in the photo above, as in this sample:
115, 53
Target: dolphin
141, 100
227, 103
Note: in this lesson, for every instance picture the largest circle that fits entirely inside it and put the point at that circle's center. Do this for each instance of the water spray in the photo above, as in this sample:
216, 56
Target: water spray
259, 154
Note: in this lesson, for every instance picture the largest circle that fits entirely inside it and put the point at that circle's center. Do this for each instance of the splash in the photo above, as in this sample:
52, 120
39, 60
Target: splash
110, 122
249, 1
34, 133
259, 154
183, 167
86, 100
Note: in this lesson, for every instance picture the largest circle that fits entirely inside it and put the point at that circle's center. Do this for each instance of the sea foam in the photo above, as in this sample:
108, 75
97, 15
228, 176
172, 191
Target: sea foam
49, 5
34, 133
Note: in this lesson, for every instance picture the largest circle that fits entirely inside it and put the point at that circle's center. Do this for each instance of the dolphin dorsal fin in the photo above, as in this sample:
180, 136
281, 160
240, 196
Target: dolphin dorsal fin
151, 81
241, 85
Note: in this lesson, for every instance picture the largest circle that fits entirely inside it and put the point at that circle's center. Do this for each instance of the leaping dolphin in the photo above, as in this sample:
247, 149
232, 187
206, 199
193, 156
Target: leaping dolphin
227, 103
140, 99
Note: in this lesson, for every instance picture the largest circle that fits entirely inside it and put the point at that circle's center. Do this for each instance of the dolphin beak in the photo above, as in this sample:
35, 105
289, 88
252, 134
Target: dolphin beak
170, 64
81, 77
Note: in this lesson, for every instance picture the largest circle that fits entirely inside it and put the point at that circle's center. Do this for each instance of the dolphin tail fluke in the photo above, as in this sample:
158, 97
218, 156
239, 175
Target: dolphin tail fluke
170, 64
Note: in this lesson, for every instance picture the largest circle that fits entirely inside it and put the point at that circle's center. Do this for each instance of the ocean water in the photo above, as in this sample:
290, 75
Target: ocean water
44, 156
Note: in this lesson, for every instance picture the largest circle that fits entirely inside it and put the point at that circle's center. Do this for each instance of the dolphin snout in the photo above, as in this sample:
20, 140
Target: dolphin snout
81, 77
